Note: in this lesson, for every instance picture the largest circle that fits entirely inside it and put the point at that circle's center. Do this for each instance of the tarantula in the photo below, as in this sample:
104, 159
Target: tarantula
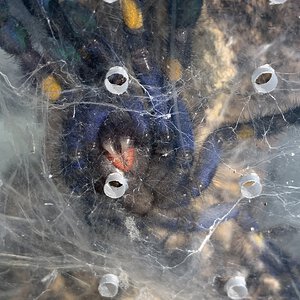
128, 145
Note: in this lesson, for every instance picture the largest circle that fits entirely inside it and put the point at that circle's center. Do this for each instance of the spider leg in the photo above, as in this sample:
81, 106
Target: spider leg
183, 18
207, 164
258, 128
282, 266
25, 35
148, 74
172, 125
41, 33
80, 132
75, 27
273, 270
15, 39
274, 124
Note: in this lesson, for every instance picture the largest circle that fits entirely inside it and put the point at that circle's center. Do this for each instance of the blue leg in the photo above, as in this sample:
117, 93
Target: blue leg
183, 18
279, 264
184, 135
212, 148
80, 135
15, 39
152, 80
171, 123
207, 164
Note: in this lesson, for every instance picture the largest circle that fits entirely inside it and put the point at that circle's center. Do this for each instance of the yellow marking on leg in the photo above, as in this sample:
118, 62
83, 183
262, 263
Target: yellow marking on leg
176, 241
226, 185
51, 88
258, 240
271, 283
174, 70
132, 14
245, 132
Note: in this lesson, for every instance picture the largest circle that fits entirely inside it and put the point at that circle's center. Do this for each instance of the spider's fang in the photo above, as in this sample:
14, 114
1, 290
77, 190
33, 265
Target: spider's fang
125, 161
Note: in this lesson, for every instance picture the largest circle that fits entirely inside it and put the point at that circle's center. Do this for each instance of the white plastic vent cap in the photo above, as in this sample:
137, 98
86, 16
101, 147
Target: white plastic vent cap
264, 79
115, 185
109, 286
116, 88
250, 186
272, 2
236, 288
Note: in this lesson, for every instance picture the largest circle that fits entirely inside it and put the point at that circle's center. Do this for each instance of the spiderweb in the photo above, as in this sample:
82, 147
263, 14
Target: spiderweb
49, 251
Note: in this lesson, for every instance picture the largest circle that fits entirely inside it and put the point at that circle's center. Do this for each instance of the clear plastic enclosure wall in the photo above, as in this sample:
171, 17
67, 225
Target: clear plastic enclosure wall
149, 149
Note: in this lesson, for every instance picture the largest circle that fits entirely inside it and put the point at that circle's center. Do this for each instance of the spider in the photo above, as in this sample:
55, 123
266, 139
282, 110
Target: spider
130, 150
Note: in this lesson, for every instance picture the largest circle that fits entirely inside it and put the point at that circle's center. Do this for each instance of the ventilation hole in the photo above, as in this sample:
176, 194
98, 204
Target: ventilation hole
249, 183
264, 79
109, 286
115, 185
250, 186
116, 80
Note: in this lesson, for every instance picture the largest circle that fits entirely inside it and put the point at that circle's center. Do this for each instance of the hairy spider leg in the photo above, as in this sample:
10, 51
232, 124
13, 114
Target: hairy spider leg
280, 264
168, 119
41, 41
80, 134
152, 81
70, 33
272, 260
259, 128
173, 128
209, 160
20, 36
183, 18
14, 39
